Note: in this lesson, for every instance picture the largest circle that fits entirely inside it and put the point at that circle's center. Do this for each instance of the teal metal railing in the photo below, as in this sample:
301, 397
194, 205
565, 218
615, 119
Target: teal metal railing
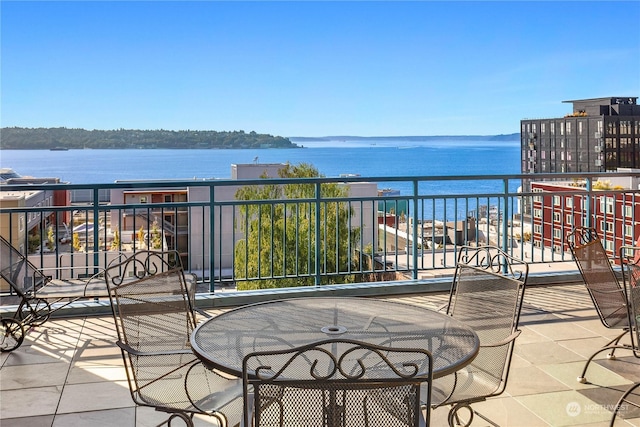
320, 238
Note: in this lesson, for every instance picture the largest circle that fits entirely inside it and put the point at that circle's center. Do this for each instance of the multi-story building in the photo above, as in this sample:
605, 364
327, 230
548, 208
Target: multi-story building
600, 134
17, 226
177, 224
611, 210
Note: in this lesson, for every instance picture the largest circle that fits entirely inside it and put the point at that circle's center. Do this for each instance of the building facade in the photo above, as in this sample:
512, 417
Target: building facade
610, 209
177, 224
599, 135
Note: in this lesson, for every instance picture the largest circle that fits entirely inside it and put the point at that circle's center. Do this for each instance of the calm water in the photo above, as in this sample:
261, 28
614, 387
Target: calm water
382, 158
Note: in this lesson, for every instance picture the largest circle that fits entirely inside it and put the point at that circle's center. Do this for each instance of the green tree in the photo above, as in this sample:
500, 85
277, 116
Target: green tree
280, 238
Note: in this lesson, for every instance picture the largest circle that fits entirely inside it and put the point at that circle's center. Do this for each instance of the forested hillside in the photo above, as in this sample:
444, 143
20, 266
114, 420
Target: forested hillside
16, 138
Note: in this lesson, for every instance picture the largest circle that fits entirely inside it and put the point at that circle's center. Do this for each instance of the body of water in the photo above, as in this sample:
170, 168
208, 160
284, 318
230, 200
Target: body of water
380, 158
372, 159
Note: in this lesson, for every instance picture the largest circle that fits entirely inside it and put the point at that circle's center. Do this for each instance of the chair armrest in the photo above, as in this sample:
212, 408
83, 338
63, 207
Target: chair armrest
135, 352
505, 341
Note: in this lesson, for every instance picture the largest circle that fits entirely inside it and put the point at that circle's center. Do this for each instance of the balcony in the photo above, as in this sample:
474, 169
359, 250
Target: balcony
74, 356
49, 379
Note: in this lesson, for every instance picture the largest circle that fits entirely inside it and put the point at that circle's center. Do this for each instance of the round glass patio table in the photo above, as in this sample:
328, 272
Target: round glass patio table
223, 341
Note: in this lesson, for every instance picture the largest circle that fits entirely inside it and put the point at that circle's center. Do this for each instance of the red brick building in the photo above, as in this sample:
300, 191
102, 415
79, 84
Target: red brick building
612, 208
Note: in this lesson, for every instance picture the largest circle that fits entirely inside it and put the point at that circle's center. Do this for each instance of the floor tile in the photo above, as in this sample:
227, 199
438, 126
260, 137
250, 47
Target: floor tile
606, 398
34, 354
123, 417
33, 375
532, 380
597, 376
558, 331
104, 395
20, 403
41, 421
565, 408
586, 347
82, 372
546, 353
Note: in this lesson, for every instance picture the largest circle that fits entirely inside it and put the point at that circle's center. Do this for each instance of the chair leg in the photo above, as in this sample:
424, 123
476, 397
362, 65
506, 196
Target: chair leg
454, 418
622, 400
184, 417
611, 345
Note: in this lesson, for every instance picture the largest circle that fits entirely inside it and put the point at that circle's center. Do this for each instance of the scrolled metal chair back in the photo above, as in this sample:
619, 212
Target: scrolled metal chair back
487, 294
336, 382
599, 278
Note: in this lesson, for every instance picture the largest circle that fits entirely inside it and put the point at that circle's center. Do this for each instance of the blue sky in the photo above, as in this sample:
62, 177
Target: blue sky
312, 68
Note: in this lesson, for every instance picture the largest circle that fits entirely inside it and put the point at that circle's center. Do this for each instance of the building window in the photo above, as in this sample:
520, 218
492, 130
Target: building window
557, 249
569, 219
628, 211
585, 221
606, 226
556, 217
557, 233
21, 223
168, 198
143, 199
608, 245
606, 205
537, 228
569, 202
556, 200
537, 213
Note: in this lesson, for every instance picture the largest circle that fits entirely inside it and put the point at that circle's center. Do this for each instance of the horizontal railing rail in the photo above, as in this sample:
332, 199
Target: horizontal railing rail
330, 231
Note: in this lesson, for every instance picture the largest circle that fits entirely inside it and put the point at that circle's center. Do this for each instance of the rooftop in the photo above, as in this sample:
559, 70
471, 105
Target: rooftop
69, 371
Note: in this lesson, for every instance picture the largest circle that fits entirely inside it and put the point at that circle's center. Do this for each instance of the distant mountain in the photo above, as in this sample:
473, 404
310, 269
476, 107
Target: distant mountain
501, 137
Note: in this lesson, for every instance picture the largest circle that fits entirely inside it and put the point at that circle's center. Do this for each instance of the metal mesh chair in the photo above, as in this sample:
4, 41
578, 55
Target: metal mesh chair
153, 315
603, 286
336, 383
630, 257
487, 294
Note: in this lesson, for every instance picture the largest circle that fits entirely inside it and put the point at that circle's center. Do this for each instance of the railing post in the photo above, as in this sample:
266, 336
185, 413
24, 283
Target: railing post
588, 213
212, 243
96, 228
414, 231
317, 243
505, 221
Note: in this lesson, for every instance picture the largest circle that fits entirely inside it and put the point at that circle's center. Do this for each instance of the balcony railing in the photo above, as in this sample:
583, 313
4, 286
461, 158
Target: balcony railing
321, 237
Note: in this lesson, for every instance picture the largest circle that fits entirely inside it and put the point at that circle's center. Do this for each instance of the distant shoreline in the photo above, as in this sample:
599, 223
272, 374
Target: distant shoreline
500, 137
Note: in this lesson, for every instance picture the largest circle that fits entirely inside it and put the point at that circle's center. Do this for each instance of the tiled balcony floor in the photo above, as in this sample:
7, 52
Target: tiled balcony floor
69, 372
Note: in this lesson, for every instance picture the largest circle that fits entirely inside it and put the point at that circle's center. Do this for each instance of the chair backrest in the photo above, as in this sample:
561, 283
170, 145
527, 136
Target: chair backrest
630, 256
21, 275
487, 294
347, 383
597, 273
151, 309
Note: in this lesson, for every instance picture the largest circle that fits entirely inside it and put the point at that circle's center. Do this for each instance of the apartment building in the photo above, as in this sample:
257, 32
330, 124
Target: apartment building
611, 210
134, 209
599, 135
16, 227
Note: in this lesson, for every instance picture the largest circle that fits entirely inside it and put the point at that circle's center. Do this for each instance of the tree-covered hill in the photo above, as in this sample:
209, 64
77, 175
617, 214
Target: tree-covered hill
16, 138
